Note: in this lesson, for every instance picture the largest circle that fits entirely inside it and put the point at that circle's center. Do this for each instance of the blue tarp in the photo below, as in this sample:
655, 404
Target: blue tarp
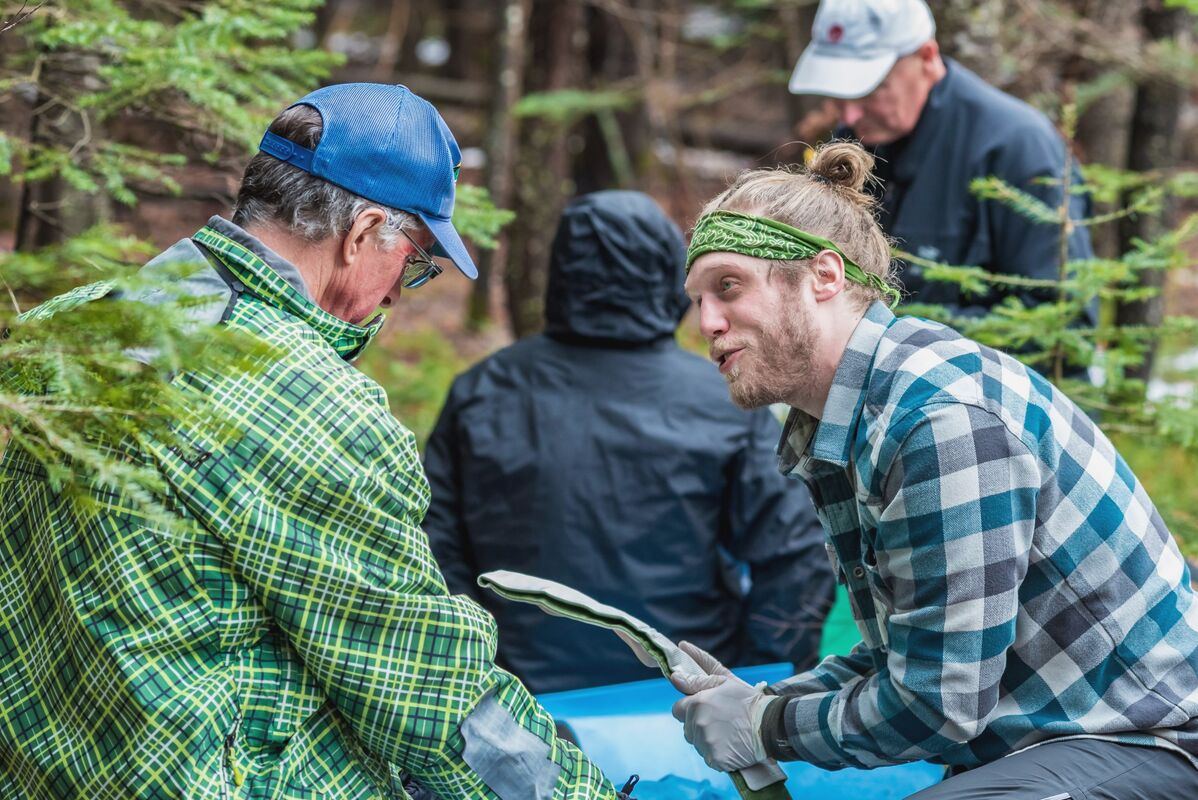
627, 728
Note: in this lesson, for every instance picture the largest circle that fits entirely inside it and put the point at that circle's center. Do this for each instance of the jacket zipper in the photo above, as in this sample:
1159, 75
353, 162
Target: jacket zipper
228, 768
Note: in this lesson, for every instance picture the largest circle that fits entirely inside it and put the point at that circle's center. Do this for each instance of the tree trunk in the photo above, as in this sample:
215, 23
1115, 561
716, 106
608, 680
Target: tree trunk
334, 19
808, 120
501, 144
971, 31
1103, 127
619, 51
473, 31
53, 211
392, 41
1153, 145
542, 174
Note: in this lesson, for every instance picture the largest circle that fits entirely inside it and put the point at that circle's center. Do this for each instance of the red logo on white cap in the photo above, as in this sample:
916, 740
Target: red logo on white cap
835, 34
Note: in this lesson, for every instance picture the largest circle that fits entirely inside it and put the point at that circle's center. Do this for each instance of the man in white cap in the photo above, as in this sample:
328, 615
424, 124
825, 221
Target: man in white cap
935, 126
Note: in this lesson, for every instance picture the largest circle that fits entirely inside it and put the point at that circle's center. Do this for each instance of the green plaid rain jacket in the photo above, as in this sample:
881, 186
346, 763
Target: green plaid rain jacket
298, 641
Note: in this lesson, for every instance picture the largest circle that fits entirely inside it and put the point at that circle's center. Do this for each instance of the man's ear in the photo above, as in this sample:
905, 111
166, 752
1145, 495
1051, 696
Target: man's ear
364, 228
929, 57
827, 273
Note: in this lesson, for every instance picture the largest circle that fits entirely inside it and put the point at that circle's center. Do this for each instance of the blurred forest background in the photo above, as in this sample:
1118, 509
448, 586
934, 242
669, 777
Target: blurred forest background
124, 125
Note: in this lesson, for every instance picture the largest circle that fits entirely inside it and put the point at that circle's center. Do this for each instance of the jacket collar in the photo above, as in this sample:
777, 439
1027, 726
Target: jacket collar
278, 282
806, 441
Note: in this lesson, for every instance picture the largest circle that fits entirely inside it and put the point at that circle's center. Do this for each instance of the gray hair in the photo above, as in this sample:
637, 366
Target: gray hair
274, 192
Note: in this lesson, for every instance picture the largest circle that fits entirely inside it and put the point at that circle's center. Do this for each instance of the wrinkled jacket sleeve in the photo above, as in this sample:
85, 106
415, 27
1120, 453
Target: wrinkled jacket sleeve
773, 527
321, 510
444, 523
833, 672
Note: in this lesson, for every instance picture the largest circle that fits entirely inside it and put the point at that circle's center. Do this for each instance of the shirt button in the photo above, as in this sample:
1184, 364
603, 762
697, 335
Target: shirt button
858, 571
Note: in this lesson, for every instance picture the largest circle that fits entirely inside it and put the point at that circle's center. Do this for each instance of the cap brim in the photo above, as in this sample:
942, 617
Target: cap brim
836, 76
450, 245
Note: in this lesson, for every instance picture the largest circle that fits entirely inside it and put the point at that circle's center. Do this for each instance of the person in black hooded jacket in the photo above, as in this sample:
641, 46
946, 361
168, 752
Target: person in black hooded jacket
602, 455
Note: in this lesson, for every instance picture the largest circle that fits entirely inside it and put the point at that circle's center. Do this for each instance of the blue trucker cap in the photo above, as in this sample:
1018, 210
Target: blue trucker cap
386, 144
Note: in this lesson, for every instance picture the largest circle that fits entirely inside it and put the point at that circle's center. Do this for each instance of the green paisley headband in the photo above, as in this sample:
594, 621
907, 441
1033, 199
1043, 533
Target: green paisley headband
769, 239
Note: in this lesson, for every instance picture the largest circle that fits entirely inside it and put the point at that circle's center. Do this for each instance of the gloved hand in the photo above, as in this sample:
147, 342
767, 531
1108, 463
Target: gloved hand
717, 673
722, 714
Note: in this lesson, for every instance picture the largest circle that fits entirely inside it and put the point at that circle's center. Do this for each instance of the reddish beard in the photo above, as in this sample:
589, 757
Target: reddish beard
775, 367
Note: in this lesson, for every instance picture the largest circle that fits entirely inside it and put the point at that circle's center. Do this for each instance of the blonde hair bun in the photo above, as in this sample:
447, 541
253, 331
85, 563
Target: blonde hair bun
846, 166
828, 199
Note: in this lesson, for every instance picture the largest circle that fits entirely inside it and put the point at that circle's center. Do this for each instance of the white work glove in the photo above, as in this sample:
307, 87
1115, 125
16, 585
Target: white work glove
721, 714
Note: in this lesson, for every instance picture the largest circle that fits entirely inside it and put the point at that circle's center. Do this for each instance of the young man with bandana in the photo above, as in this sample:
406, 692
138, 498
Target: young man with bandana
1026, 618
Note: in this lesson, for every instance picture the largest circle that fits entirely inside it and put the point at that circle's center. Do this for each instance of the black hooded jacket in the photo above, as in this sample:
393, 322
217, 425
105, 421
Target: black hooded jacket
602, 455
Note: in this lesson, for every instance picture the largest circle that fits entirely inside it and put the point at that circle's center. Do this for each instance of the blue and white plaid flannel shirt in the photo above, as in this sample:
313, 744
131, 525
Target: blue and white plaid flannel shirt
1009, 575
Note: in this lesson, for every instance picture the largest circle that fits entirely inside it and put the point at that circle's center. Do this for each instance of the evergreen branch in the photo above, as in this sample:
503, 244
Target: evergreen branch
973, 280
476, 217
72, 397
27, 406
567, 106
226, 62
103, 251
1107, 184
1143, 202
994, 188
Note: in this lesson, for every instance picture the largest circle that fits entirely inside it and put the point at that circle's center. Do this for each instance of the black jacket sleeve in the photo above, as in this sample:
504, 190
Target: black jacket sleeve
444, 522
772, 526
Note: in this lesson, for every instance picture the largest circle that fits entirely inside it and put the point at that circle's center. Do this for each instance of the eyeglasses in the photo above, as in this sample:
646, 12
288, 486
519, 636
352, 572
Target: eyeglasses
419, 269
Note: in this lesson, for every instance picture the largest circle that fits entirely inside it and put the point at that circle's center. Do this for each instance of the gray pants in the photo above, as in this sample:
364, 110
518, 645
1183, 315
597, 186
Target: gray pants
1075, 769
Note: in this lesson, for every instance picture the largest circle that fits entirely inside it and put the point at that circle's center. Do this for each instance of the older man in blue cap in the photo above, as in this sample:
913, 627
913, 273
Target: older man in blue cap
292, 636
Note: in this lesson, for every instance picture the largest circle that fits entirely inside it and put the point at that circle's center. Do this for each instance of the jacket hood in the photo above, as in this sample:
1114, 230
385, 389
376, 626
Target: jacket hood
616, 271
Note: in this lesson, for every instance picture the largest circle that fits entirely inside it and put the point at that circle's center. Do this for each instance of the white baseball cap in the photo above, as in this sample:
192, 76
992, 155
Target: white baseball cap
854, 43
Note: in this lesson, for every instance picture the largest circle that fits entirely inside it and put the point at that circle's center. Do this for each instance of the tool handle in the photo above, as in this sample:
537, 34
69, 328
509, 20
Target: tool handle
769, 779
